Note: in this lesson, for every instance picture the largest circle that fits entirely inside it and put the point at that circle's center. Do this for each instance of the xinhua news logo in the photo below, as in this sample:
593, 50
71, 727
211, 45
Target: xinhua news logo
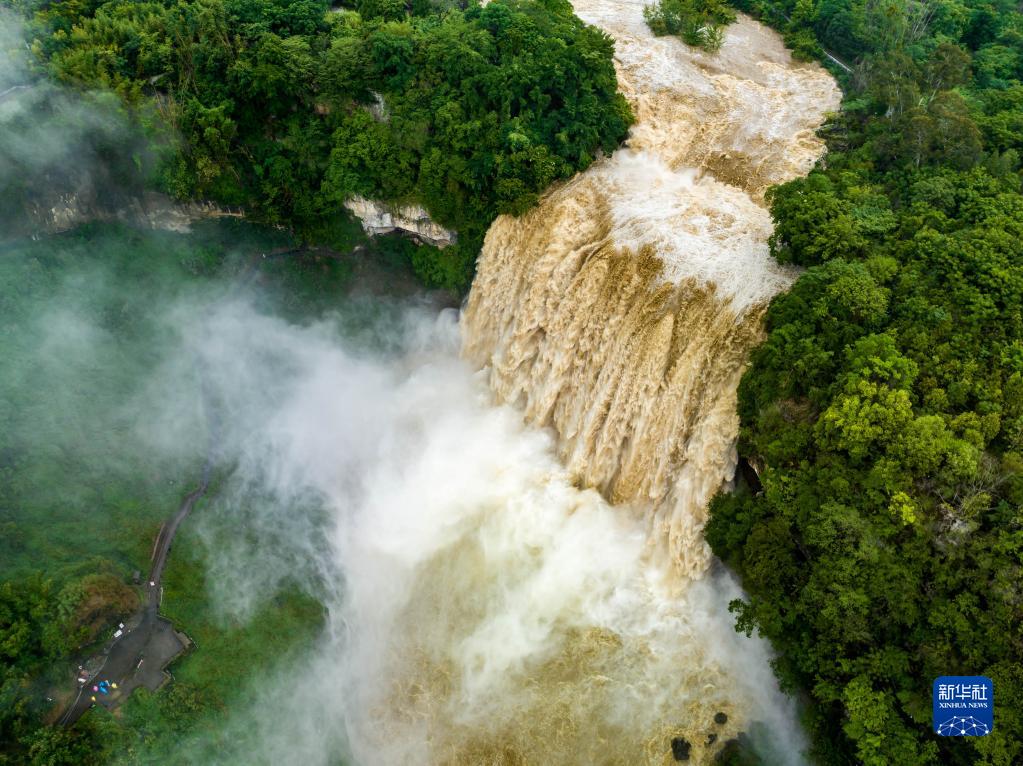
964, 706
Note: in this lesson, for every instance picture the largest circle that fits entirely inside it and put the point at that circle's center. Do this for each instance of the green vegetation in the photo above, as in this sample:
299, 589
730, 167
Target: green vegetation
289, 108
697, 22
33, 619
219, 676
886, 405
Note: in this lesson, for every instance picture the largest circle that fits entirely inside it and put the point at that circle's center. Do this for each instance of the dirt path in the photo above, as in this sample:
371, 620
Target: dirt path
149, 642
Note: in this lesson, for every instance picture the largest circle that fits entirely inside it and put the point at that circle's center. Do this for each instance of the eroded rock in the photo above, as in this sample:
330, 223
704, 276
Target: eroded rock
382, 218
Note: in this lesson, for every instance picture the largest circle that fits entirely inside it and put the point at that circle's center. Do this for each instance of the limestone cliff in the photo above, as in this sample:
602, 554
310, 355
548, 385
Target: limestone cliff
381, 218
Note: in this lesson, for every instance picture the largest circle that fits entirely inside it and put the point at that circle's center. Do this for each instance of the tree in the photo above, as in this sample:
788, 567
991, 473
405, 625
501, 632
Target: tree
289, 111
697, 22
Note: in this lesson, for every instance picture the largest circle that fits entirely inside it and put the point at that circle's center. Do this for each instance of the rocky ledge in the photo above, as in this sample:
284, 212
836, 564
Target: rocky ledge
381, 218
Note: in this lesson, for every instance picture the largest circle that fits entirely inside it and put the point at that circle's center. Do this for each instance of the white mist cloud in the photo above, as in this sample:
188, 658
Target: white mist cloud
66, 155
478, 602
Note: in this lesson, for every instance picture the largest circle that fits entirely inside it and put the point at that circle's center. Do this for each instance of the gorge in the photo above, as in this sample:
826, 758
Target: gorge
462, 314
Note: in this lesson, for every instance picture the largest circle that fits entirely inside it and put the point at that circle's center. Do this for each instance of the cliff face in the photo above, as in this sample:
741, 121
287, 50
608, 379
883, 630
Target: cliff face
57, 209
63, 206
150, 210
381, 218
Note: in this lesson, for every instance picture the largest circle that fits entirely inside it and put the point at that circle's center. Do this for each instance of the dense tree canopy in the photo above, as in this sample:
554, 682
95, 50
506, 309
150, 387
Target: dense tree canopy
289, 108
40, 626
886, 406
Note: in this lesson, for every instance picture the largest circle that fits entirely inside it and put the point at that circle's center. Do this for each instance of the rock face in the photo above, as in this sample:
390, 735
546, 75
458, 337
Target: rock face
378, 109
680, 749
149, 210
381, 218
57, 210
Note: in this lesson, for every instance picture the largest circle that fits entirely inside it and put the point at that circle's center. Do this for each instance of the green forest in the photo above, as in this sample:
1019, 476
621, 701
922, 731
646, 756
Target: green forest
885, 409
289, 108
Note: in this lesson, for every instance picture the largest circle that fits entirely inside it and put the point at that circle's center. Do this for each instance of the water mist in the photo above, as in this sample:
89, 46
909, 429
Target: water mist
488, 610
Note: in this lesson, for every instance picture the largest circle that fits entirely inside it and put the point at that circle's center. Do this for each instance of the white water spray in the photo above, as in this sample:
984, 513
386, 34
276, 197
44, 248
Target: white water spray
493, 612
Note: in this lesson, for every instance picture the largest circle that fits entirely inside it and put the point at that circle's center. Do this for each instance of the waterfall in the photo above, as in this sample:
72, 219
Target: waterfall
620, 312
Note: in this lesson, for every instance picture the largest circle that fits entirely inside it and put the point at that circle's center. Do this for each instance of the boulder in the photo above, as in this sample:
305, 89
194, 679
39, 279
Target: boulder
680, 749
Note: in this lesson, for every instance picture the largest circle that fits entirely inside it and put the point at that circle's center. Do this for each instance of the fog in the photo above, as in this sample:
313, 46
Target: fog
478, 602
66, 156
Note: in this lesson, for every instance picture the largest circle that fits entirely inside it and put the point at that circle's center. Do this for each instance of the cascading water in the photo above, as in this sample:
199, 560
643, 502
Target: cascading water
518, 595
621, 310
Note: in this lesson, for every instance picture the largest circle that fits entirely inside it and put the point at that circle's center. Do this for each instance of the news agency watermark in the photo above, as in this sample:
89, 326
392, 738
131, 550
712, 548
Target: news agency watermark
963, 706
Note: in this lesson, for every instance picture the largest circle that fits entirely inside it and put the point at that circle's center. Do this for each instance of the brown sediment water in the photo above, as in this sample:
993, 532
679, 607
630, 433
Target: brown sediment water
556, 608
621, 311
